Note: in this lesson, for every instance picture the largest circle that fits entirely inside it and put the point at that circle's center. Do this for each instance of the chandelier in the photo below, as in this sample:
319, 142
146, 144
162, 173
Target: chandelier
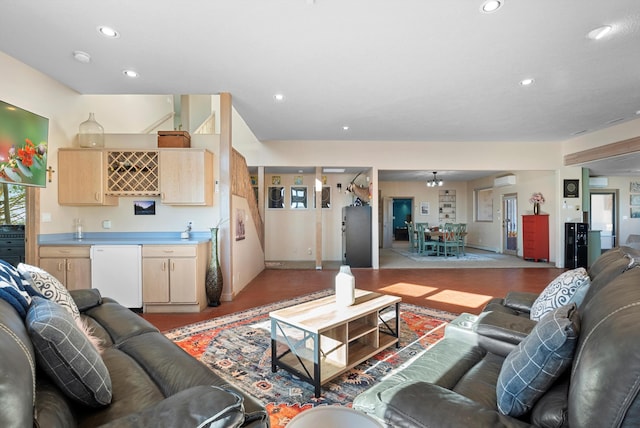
435, 181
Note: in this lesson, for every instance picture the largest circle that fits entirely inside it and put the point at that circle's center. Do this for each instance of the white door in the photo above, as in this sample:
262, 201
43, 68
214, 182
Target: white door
510, 224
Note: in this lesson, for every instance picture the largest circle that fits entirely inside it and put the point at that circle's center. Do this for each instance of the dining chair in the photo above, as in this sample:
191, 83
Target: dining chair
413, 239
426, 246
462, 231
449, 243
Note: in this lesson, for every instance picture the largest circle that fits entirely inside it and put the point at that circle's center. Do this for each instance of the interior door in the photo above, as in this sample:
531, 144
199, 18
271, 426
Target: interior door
510, 224
603, 212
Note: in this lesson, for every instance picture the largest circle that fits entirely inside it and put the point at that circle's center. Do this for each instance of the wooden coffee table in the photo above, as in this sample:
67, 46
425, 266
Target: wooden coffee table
319, 340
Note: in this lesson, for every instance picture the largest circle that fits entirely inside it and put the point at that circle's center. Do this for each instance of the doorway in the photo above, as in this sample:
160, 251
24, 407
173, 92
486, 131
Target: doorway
402, 214
603, 212
510, 224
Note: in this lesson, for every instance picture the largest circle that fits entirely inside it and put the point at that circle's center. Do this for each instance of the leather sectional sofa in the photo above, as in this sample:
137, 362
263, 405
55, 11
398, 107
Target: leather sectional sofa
456, 382
153, 381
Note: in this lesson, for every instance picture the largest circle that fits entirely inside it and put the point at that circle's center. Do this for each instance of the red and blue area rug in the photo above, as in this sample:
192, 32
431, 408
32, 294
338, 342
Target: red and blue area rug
238, 348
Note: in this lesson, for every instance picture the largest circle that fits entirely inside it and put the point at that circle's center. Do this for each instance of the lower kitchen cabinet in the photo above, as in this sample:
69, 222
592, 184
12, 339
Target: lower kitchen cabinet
70, 265
173, 277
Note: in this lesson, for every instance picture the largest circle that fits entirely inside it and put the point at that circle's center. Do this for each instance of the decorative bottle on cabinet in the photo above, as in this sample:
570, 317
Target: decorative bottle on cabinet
535, 237
91, 133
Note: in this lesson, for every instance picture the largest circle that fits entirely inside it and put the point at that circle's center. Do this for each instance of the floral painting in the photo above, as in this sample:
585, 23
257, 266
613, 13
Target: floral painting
23, 146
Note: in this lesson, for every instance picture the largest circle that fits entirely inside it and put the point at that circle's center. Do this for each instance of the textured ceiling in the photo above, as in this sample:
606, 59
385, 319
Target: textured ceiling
410, 70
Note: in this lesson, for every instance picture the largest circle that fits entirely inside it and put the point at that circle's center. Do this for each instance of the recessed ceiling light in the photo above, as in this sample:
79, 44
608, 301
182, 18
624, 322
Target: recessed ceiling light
82, 57
600, 32
278, 97
527, 82
130, 73
491, 6
108, 32
345, 128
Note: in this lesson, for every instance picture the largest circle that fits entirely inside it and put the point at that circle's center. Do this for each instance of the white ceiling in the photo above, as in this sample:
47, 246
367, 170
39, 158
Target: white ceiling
403, 70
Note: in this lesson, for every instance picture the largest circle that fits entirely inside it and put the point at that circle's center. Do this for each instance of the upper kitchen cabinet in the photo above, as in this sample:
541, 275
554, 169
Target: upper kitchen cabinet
81, 179
186, 177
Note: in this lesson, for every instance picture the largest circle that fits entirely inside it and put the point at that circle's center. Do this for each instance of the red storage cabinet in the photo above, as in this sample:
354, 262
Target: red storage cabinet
535, 237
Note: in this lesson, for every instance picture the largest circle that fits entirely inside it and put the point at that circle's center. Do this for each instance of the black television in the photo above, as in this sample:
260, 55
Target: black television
23, 146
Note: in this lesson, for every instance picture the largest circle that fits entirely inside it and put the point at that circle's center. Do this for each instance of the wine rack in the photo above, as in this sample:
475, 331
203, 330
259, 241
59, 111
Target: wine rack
132, 173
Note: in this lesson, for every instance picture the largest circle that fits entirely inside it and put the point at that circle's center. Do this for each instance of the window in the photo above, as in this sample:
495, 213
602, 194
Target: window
299, 197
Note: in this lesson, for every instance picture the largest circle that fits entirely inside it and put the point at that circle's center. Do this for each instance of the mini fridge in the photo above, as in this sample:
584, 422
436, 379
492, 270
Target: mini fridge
576, 237
116, 271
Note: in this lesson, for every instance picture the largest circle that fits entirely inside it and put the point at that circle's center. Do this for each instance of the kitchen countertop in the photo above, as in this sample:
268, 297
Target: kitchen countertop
124, 238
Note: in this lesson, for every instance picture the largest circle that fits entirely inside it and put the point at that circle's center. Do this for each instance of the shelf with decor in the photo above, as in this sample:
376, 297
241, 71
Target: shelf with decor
447, 206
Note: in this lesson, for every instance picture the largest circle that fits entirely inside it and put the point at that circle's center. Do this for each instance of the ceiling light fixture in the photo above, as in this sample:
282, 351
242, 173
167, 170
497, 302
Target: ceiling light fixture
130, 73
345, 128
491, 6
334, 170
108, 32
278, 97
526, 82
435, 181
600, 32
82, 57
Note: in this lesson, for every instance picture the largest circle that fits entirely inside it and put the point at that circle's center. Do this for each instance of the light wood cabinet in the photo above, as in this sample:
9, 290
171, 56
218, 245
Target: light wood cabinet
81, 178
173, 278
70, 265
187, 177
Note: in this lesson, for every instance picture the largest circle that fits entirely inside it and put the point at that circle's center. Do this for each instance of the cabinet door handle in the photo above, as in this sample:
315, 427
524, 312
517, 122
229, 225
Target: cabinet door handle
97, 196
61, 267
173, 266
164, 266
69, 266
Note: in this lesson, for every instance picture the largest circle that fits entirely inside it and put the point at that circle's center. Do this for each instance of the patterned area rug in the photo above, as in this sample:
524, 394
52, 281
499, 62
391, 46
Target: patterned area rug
238, 348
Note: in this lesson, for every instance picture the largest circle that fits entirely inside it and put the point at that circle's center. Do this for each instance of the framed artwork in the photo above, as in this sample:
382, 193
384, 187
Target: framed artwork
635, 212
299, 197
239, 224
276, 180
484, 204
144, 207
276, 197
424, 208
298, 180
571, 188
634, 200
634, 187
254, 180
325, 197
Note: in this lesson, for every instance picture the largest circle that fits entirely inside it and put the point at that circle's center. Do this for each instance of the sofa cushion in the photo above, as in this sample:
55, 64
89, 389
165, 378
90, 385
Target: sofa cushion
50, 287
538, 361
570, 286
66, 355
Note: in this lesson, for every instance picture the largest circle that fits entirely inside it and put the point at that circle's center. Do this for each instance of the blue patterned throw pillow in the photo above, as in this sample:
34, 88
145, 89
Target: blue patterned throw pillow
15, 289
538, 361
569, 287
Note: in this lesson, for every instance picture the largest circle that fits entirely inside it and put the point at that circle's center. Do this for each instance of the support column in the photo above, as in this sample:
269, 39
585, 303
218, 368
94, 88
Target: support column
225, 242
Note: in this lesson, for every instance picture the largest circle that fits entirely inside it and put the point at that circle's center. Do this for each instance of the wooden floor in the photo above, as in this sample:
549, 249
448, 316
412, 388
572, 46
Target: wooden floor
454, 290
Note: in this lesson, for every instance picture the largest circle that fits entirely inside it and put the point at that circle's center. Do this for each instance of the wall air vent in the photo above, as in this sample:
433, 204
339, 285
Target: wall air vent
507, 180
598, 182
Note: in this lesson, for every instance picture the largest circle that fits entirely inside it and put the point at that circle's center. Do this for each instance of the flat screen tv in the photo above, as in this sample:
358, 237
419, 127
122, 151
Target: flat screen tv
23, 146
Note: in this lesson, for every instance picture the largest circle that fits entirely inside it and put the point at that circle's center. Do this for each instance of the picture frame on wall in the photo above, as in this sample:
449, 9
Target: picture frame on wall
634, 199
299, 198
634, 187
571, 188
276, 197
424, 208
484, 205
325, 197
635, 212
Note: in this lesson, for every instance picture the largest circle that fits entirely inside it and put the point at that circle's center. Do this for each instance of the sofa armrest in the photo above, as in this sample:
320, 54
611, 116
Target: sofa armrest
505, 327
86, 299
201, 406
520, 301
422, 404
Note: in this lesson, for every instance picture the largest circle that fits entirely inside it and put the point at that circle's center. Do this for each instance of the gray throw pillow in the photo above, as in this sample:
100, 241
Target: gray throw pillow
538, 361
66, 355
569, 287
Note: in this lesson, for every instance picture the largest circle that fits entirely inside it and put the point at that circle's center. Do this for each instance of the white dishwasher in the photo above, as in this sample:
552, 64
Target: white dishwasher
116, 271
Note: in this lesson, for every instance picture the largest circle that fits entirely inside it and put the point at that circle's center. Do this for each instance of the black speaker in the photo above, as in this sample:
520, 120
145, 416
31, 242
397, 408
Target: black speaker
576, 245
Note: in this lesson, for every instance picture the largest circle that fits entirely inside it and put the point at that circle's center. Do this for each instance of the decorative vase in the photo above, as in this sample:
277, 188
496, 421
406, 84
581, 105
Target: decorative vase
213, 281
536, 208
91, 133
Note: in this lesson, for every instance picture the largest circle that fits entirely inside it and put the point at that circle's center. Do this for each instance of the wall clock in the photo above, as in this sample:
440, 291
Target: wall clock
571, 188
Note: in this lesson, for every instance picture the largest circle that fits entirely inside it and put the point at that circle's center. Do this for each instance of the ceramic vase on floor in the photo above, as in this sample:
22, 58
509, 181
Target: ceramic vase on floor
213, 281
536, 208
